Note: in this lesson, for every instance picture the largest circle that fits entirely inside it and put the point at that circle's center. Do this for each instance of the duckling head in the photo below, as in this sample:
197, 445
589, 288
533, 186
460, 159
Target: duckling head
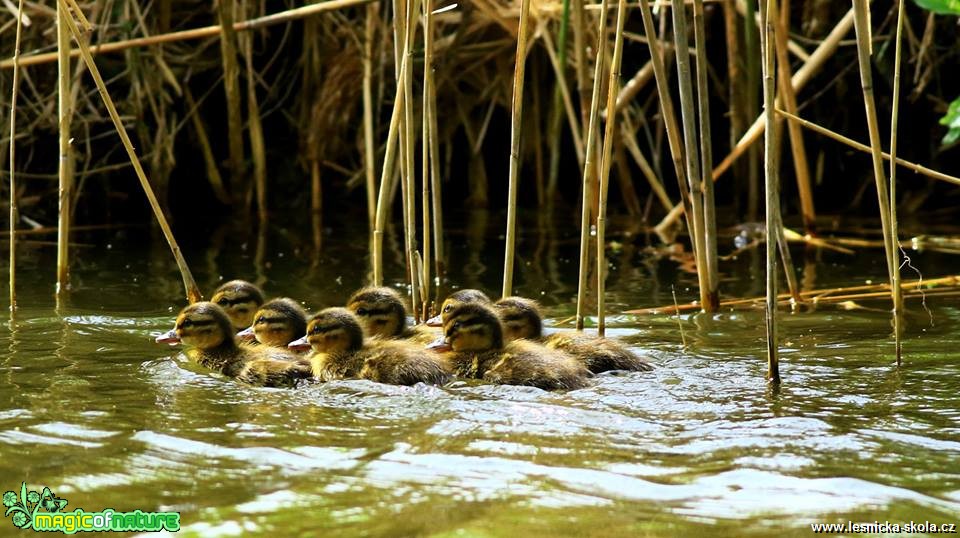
333, 330
380, 310
473, 327
240, 300
521, 318
277, 323
457, 298
202, 325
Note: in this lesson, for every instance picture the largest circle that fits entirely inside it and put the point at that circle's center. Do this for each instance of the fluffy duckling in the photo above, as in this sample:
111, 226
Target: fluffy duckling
383, 315
475, 335
458, 297
240, 300
208, 333
277, 323
339, 352
522, 319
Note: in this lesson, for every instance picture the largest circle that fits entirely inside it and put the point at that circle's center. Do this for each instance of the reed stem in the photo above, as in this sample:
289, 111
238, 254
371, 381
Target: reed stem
894, 121
609, 137
64, 166
516, 121
190, 286
425, 150
369, 151
231, 88
588, 166
771, 188
14, 216
412, 10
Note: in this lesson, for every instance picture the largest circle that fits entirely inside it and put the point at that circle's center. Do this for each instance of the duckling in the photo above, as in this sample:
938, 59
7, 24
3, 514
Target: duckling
277, 323
208, 332
383, 315
339, 352
522, 319
468, 295
475, 335
240, 300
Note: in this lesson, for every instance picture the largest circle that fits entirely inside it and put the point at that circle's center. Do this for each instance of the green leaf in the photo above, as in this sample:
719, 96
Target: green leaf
943, 7
952, 121
14, 508
23, 493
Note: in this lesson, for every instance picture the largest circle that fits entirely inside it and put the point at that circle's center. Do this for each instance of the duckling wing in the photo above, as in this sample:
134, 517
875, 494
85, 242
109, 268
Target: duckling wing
422, 335
402, 363
268, 372
526, 363
596, 353
334, 366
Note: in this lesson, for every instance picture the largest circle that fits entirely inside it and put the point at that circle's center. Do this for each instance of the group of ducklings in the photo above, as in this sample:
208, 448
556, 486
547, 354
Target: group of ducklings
260, 342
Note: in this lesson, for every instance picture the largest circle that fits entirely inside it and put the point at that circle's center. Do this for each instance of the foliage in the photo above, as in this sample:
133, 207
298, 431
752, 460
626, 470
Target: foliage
952, 119
943, 7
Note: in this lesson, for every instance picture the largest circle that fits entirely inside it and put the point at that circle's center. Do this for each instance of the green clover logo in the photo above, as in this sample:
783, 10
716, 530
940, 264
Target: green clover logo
9, 499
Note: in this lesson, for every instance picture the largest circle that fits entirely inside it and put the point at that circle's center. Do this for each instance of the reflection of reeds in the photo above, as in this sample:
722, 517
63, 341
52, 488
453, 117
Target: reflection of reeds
13, 160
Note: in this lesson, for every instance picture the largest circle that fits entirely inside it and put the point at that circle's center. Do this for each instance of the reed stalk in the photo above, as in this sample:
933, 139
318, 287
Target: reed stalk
864, 51
920, 169
771, 188
516, 124
425, 151
588, 167
369, 150
194, 33
210, 162
894, 121
706, 156
753, 74
555, 127
409, 143
190, 286
231, 88
65, 164
788, 97
14, 217
655, 185
435, 196
708, 296
580, 60
735, 95
811, 67
389, 162
669, 116
575, 127
609, 137
258, 150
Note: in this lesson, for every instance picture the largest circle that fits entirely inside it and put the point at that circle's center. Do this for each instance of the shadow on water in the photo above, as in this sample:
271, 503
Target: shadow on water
90, 407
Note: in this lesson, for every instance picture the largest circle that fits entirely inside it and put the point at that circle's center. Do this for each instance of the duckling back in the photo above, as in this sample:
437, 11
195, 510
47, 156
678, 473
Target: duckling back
273, 372
422, 335
527, 363
336, 365
596, 353
400, 363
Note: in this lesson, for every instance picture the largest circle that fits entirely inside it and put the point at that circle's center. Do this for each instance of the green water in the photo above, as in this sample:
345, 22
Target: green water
93, 409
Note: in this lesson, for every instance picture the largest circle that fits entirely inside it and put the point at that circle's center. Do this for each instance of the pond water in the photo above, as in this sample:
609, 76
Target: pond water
93, 409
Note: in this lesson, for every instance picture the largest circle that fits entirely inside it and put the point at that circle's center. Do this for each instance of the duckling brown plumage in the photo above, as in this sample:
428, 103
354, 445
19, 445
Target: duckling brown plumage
522, 320
208, 333
240, 300
278, 322
475, 334
340, 352
468, 295
382, 311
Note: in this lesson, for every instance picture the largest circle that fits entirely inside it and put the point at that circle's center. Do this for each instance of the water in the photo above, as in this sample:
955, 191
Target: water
92, 408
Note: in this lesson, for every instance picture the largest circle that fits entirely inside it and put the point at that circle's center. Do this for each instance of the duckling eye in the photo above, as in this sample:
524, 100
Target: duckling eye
362, 312
315, 329
186, 323
447, 308
223, 301
261, 319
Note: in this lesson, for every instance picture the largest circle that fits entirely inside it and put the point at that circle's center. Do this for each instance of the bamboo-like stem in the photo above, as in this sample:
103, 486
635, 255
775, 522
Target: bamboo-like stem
436, 198
812, 66
14, 217
695, 180
194, 33
580, 60
65, 165
771, 188
706, 158
231, 88
190, 286
788, 97
736, 95
753, 68
389, 161
555, 129
668, 114
609, 136
894, 121
575, 127
920, 169
588, 167
258, 150
412, 9
516, 120
655, 185
425, 150
864, 50
369, 151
